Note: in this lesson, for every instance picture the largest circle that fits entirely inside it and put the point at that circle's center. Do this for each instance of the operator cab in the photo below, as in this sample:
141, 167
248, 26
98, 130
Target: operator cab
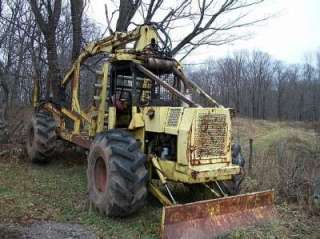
129, 87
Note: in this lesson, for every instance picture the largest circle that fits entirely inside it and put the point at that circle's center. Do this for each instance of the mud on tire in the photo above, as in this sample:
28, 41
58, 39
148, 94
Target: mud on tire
117, 175
41, 137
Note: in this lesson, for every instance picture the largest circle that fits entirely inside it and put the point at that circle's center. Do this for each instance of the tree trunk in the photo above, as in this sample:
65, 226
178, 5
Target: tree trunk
76, 17
279, 108
301, 104
127, 10
48, 26
3, 109
54, 77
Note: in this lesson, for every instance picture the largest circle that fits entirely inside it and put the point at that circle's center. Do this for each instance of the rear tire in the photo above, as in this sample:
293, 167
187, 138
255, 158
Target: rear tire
41, 138
117, 175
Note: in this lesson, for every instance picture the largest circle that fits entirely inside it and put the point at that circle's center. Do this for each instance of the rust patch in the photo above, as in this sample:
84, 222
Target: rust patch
81, 141
211, 218
194, 174
209, 138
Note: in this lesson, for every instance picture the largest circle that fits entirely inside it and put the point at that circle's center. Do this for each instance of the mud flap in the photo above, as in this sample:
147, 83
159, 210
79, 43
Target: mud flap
211, 218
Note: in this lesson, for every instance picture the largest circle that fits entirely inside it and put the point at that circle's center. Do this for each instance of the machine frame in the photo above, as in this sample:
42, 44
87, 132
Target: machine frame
201, 135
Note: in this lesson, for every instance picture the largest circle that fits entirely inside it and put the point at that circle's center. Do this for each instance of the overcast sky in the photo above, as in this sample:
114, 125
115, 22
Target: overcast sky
290, 36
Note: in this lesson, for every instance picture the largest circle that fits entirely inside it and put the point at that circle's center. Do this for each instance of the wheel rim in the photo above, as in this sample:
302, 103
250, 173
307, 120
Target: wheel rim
100, 175
31, 136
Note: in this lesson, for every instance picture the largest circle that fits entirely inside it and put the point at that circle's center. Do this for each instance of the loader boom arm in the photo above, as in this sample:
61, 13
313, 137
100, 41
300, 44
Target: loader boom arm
142, 36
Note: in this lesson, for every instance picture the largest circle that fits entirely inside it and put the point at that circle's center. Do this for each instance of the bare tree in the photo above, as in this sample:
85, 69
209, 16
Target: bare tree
209, 22
127, 9
213, 23
77, 7
280, 78
48, 23
11, 60
251, 82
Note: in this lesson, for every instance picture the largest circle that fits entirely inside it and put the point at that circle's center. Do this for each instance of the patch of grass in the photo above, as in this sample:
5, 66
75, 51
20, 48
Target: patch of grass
284, 158
291, 222
264, 133
58, 192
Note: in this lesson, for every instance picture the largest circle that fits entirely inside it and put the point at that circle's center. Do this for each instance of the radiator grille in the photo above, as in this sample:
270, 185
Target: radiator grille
173, 118
210, 135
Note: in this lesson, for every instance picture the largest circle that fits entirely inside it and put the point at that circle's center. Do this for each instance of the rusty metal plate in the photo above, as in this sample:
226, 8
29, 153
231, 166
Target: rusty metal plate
211, 218
210, 135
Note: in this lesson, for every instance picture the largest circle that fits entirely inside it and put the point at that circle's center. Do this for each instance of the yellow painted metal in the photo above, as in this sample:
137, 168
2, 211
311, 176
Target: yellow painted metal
161, 173
142, 35
156, 192
173, 120
203, 135
86, 117
197, 129
112, 116
91, 122
145, 95
75, 105
153, 188
75, 117
35, 92
121, 55
157, 121
147, 35
136, 121
136, 126
182, 122
103, 96
188, 174
65, 135
184, 135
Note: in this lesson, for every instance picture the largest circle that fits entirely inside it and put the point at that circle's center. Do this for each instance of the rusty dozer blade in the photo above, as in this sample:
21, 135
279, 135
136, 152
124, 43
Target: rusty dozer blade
212, 218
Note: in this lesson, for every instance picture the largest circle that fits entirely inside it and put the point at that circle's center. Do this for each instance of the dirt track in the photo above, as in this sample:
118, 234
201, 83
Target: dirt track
45, 230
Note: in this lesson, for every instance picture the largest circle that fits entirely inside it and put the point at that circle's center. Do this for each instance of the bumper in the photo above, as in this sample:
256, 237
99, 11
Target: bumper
213, 218
197, 174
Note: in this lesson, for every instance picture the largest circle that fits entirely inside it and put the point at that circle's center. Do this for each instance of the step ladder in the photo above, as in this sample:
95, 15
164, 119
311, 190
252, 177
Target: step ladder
99, 90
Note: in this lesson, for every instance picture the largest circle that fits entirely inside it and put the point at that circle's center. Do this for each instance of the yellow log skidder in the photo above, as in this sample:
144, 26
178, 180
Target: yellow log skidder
143, 130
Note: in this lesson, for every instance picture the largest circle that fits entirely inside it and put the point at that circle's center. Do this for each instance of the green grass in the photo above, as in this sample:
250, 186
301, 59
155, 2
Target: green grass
58, 192
265, 133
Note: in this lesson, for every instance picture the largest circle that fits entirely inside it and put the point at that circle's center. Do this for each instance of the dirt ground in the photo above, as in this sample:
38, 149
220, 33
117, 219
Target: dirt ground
45, 230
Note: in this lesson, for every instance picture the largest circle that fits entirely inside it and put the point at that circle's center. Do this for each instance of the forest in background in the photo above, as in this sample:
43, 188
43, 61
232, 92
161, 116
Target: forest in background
258, 86
39, 42
39, 39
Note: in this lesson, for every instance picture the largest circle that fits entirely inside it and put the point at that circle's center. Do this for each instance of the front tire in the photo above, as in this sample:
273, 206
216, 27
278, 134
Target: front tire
233, 187
117, 175
41, 138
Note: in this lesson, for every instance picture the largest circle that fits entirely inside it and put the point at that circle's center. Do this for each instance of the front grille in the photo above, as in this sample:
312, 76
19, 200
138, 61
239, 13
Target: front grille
173, 117
210, 135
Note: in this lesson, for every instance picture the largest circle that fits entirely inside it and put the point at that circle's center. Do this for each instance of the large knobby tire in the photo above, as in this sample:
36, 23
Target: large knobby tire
117, 175
233, 186
41, 138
